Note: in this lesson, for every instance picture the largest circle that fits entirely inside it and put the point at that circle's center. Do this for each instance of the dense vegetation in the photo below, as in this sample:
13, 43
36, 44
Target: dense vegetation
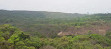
39, 30
38, 22
13, 38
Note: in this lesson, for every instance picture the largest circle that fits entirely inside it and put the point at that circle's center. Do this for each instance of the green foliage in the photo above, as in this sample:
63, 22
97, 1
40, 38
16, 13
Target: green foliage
108, 34
54, 22
20, 40
10, 38
41, 28
101, 39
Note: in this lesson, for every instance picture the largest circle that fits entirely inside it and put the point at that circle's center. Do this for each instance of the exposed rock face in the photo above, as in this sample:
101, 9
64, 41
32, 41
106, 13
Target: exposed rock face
65, 33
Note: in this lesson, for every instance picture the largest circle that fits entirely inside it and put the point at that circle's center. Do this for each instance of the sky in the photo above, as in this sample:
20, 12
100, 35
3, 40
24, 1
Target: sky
67, 6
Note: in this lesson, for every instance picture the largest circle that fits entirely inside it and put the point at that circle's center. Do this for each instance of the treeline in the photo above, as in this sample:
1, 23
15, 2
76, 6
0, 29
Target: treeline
13, 38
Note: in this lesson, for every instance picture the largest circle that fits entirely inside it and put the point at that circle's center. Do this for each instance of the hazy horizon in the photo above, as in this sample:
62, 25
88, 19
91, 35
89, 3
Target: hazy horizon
66, 6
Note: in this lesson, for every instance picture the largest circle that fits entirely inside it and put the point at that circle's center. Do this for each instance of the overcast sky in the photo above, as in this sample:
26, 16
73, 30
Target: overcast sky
69, 6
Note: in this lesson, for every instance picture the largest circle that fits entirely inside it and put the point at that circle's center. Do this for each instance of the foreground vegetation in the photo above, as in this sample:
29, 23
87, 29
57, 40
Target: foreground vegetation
12, 38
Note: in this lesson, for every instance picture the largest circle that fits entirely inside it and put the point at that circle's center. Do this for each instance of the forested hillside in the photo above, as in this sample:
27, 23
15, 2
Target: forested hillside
54, 30
40, 21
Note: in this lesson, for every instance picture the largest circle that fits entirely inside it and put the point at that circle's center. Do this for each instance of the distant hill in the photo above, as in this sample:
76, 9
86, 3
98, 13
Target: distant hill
50, 23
